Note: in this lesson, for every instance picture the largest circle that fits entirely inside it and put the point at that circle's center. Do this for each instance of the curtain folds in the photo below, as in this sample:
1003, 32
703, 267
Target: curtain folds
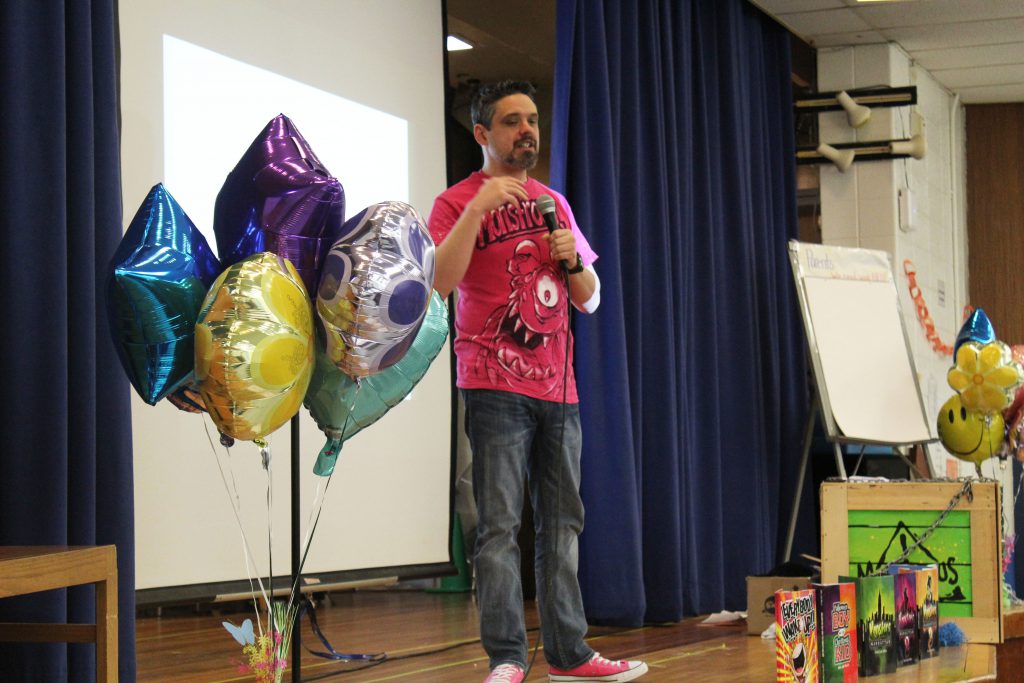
673, 140
66, 465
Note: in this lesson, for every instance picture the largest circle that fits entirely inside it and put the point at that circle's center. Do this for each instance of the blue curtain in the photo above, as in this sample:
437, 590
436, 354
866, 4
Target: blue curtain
66, 460
673, 140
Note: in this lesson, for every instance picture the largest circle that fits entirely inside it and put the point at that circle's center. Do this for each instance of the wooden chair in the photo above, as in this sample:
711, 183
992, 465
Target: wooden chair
30, 569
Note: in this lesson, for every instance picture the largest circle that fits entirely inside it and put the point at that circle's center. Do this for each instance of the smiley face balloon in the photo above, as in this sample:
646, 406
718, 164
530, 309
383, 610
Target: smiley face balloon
969, 435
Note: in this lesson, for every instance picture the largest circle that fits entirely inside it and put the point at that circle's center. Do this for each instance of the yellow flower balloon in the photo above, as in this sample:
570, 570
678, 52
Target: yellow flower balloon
254, 346
985, 376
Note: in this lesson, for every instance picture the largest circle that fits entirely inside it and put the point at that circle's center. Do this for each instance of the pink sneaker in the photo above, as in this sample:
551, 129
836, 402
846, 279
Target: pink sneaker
599, 669
505, 673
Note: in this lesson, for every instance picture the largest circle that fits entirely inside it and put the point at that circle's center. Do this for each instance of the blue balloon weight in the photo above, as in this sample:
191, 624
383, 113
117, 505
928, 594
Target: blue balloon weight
155, 287
342, 407
977, 328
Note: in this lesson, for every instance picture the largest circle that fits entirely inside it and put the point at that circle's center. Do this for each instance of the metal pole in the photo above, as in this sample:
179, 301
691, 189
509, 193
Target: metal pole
808, 434
296, 549
837, 449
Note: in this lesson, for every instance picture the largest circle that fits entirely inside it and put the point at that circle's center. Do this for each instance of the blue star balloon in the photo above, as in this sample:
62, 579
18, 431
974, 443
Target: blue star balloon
977, 328
155, 287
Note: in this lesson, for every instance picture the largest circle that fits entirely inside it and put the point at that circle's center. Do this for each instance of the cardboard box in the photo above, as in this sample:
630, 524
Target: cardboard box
761, 598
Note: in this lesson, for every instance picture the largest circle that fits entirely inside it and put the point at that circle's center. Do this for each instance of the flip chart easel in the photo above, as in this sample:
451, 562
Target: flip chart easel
865, 381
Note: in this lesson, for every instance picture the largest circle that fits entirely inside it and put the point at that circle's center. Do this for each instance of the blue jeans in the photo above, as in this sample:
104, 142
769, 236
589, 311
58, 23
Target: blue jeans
514, 437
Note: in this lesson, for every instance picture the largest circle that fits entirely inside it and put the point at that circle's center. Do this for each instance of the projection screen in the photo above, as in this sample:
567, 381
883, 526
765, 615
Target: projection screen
363, 83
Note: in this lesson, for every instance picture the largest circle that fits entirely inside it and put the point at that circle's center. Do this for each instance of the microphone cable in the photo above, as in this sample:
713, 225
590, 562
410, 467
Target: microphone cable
564, 270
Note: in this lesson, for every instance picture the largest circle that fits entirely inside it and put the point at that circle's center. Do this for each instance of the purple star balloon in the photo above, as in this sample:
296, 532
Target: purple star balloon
279, 198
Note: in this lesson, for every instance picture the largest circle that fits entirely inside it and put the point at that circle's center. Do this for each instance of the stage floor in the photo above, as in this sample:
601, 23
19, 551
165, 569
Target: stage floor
432, 638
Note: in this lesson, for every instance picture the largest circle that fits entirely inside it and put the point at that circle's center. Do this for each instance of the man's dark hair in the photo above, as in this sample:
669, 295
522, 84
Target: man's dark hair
485, 97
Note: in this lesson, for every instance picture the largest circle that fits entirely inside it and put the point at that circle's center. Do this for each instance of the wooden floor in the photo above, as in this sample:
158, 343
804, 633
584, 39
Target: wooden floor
433, 638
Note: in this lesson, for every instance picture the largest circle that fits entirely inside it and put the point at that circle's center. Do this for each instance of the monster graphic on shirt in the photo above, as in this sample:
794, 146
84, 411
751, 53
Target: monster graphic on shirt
524, 337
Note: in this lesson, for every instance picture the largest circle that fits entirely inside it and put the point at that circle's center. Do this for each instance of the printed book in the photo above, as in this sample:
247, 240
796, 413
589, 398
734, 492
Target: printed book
876, 625
927, 592
905, 587
796, 637
837, 634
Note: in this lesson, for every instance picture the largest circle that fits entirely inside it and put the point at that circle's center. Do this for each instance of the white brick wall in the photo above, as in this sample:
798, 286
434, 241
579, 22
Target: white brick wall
860, 207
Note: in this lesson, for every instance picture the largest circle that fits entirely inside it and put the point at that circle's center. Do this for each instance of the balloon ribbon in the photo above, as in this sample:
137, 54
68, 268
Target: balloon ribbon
332, 654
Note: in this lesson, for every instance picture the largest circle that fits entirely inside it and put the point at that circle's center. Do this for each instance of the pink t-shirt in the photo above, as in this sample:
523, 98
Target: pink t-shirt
512, 309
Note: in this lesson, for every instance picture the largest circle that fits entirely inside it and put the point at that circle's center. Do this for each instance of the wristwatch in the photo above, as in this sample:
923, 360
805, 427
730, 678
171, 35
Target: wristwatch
578, 268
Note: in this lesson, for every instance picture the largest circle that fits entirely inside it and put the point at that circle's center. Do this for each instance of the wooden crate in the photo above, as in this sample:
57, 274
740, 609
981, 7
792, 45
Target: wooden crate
864, 525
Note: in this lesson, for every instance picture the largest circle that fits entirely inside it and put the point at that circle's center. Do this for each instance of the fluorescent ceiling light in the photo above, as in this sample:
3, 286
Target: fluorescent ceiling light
455, 43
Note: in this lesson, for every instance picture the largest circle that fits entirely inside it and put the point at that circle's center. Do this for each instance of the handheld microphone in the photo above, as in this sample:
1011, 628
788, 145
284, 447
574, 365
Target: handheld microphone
546, 206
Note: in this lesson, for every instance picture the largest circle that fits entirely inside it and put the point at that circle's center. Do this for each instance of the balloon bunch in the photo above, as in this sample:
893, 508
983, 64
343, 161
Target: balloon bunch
1014, 414
239, 338
986, 377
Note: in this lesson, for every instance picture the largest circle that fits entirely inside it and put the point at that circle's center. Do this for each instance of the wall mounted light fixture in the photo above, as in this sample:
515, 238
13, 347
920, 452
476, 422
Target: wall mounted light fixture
914, 147
842, 158
867, 97
858, 104
856, 114
863, 151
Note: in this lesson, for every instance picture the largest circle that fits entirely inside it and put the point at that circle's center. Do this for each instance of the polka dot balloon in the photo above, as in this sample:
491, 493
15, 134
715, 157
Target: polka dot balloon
375, 287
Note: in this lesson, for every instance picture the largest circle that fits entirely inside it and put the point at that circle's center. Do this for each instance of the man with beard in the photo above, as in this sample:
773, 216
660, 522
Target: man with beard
514, 364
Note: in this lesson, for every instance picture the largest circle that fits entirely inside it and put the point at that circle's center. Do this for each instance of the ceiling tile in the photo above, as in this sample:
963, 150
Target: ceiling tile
855, 38
963, 34
933, 12
964, 57
777, 7
981, 75
825, 21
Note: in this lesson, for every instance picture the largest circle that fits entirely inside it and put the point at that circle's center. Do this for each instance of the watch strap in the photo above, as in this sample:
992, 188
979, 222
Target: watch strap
578, 268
